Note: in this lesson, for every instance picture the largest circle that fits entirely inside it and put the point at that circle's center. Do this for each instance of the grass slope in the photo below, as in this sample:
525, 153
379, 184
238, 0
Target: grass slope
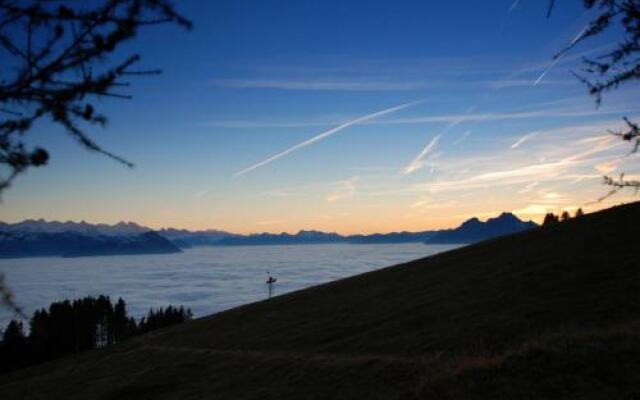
549, 313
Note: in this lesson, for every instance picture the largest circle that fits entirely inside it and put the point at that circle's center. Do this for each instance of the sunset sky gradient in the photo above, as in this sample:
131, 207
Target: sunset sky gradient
344, 116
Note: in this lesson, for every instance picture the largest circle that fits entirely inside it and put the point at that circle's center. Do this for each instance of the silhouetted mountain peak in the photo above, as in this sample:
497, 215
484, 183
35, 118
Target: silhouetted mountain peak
474, 230
505, 217
471, 222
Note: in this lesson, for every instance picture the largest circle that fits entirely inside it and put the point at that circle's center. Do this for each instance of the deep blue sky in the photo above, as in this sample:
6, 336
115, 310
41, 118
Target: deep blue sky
255, 78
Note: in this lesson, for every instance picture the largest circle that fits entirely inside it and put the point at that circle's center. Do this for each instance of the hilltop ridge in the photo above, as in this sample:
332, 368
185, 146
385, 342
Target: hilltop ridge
551, 312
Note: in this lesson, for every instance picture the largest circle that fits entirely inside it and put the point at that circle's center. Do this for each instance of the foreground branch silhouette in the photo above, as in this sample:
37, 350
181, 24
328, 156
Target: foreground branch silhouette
612, 68
56, 62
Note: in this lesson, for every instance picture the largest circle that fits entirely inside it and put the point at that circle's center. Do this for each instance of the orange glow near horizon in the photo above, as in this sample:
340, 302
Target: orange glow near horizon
348, 223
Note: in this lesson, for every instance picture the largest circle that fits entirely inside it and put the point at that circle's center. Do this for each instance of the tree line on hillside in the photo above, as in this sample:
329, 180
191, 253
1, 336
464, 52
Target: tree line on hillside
551, 218
69, 327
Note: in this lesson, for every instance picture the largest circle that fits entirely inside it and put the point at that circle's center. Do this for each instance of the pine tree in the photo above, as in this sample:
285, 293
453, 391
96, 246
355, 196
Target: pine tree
550, 219
14, 333
120, 321
68, 327
13, 347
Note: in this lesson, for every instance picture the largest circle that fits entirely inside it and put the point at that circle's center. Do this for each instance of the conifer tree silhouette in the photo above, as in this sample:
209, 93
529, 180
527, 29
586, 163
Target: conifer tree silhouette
68, 327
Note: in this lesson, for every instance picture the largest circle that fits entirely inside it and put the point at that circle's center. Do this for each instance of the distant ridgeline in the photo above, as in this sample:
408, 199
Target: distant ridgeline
473, 230
37, 238
69, 239
69, 327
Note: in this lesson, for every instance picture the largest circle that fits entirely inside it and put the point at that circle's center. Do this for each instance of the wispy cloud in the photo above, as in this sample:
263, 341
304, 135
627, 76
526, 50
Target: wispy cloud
202, 193
417, 162
539, 66
547, 200
529, 187
376, 85
554, 198
324, 135
430, 204
516, 83
290, 192
551, 110
534, 210
513, 6
557, 58
566, 155
270, 222
443, 118
524, 139
346, 189
569, 156
262, 124
608, 167
502, 116
325, 85
462, 137
544, 171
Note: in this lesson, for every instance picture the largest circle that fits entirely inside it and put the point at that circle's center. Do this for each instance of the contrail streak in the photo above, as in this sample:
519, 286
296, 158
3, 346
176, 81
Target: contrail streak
546, 71
463, 137
512, 8
324, 135
514, 5
580, 34
559, 56
417, 162
524, 139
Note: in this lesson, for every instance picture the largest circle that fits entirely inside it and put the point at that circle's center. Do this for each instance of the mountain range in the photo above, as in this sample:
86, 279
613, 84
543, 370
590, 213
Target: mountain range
73, 244
82, 227
32, 238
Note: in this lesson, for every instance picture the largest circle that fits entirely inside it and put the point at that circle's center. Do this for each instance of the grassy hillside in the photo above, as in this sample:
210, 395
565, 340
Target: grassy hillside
549, 313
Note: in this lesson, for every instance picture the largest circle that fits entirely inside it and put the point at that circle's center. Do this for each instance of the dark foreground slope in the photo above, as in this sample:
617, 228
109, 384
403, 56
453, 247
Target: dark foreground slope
553, 312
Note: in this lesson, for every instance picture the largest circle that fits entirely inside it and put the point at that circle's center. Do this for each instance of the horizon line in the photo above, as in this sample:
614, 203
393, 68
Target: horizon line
480, 216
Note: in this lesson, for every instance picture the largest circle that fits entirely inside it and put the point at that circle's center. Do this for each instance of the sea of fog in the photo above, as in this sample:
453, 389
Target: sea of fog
206, 279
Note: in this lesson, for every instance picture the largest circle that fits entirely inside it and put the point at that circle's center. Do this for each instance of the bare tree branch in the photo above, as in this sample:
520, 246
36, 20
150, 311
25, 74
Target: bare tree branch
6, 298
59, 60
55, 61
613, 68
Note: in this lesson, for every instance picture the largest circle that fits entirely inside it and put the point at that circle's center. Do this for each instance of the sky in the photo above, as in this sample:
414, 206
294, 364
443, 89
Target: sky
343, 116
